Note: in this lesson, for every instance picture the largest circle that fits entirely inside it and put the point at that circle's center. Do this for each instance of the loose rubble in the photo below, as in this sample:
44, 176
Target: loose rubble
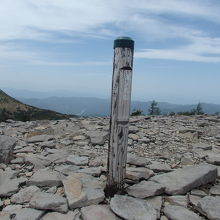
57, 169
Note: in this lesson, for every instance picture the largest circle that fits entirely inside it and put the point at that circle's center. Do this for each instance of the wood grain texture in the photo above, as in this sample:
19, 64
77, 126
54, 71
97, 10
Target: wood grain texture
120, 111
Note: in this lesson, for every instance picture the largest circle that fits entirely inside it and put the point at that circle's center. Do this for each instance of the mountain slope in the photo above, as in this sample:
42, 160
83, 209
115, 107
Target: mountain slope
11, 108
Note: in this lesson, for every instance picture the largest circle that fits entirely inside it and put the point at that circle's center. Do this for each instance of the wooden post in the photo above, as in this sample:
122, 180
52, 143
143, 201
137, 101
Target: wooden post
120, 111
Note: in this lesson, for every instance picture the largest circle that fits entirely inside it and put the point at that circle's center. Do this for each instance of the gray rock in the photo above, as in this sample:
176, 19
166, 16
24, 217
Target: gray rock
209, 206
213, 159
179, 213
202, 146
73, 191
39, 162
93, 171
177, 200
97, 137
146, 189
215, 190
27, 214
49, 201
97, 212
183, 180
7, 145
193, 200
45, 177
9, 184
198, 192
40, 138
58, 216
24, 195
66, 169
136, 160
91, 192
156, 203
131, 208
159, 167
137, 173
77, 160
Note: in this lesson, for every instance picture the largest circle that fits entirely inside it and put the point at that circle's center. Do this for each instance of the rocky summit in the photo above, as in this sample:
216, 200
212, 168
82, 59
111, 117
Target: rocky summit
57, 169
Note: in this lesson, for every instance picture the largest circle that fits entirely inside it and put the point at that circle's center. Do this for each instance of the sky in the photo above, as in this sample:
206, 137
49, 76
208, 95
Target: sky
66, 46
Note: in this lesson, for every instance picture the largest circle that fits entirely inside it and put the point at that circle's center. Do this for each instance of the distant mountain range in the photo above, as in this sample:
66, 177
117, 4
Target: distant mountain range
83, 106
10, 108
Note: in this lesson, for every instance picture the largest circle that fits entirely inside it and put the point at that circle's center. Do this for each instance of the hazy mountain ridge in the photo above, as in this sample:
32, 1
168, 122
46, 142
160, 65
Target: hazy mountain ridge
88, 106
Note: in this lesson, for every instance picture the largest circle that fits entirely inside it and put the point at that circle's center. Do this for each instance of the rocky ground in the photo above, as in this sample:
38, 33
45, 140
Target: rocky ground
55, 170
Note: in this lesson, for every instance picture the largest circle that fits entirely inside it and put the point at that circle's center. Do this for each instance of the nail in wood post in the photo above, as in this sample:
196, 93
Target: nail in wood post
120, 111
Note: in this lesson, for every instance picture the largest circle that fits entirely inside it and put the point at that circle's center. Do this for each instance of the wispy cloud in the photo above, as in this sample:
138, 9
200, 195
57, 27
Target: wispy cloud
200, 50
44, 20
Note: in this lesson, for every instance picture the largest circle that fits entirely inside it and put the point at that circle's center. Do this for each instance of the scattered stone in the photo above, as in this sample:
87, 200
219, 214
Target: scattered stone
159, 167
209, 206
136, 160
202, 146
197, 192
24, 195
97, 212
179, 213
132, 209
215, 190
45, 177
27, 214
146, 189
77, 160
92, 187
7, 145
9, 184
193, 200
58, 216
93, 171
183, 180
73, 191
97, 137
156, 203
137, 173
40, 138
213, 159
67, 169
177, 200
49, 201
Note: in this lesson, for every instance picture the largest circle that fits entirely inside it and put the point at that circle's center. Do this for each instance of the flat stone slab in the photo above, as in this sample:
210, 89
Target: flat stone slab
59, 216
137, 173
90, 190
7, 145
177, 200
9, 183
159, 167
77, 160
179, 213
49, 201
24, 195
97, 212
40, 138
27, 214
215, 190
131, 208
73, 191
210, 207
213, 159
133, 159
202, 146
146, 189
183, 180
45, 177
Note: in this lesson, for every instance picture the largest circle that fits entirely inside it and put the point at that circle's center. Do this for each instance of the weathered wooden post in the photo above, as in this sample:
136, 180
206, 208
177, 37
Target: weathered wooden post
120, 111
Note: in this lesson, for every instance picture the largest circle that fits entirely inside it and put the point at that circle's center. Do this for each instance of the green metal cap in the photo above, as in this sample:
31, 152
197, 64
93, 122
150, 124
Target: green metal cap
124, 42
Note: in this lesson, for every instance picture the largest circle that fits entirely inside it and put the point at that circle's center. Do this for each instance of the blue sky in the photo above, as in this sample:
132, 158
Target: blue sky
66, 45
